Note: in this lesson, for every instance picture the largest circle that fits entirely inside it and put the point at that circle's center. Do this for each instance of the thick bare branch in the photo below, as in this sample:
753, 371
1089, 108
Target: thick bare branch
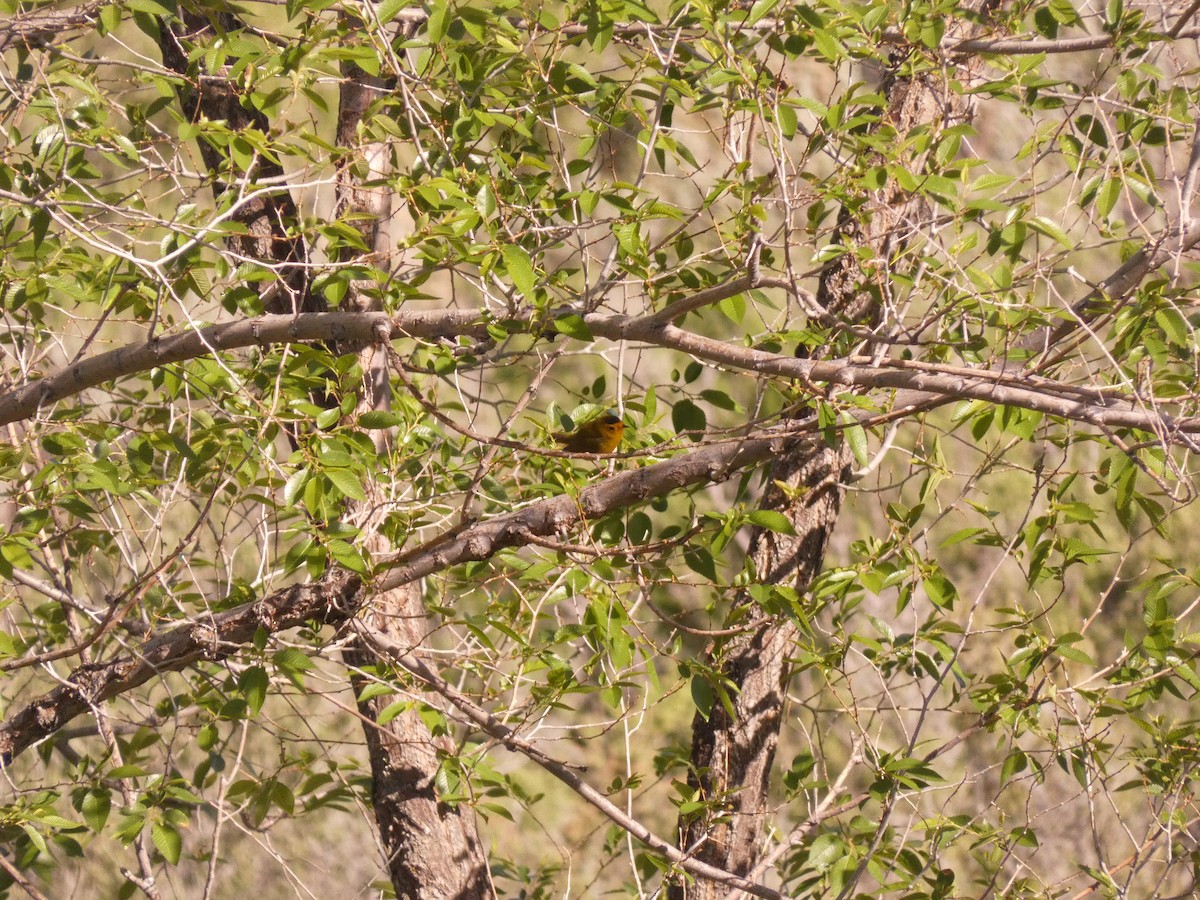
340, 596
1116, 286
919, 386
998, 46
1021, 47
34, 29
203, 639
1184, 17
25, 401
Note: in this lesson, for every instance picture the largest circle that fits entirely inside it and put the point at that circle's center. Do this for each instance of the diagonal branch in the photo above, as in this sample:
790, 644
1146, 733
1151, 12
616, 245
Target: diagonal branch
507, 737
1184, 16
631, 31
212, 638
26, 400
340, 596
1115, 287
35, 29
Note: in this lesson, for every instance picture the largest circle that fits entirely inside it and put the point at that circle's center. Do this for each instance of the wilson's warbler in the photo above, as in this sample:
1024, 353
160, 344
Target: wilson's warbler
600, 435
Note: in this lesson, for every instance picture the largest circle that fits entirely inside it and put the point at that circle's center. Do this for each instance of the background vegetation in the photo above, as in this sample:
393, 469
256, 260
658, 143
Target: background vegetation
890, 590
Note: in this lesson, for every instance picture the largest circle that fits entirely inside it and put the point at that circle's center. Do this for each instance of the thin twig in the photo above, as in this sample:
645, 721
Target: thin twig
509, 739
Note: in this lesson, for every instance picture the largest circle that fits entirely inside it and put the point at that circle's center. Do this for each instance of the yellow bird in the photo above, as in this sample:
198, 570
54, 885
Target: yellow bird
601, 435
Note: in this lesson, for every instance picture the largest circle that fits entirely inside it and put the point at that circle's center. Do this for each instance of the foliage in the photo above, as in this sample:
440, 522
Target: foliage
992, 687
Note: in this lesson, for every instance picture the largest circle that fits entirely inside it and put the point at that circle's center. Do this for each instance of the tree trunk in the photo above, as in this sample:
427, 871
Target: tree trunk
732, 757
433, 849
268, 217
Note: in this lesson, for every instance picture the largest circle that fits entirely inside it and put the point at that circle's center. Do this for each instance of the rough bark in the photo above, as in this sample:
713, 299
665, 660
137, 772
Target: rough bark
914, 385
732, 757
210, 638
340, 596
41, 27
268, 218
433, 849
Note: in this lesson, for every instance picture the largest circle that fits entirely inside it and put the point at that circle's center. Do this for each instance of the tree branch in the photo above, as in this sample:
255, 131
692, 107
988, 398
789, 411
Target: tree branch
19, 877
212, 638
1018, 46
26, 400
1184, 16
998, 46
918, 386
1123, 280
36, 28
509, 739
339, 596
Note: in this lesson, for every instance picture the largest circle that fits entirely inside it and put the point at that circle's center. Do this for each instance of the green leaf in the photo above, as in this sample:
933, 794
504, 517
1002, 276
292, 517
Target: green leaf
294, 486
1051, 229
282, 797
1064, 12
378, 419
640, 528
940, 590
825, 851
687, 416
16, 554
760, 10
438, 22
733, 308
1113, 12
771, 520
856, 438
520, 269
1186, 673
485, 201
347, 556
991, 182
55, 821
789, 122
168, 842
719, 399
293, 663
388, 9
1076, 655
153, 7
127, 771
110, 18
95, 807
253, 683
699, 560
702, 695
573, 326
392, 710
347, 482
1107, 195
828, 46
650, 403
1174, 326
628, 237
35, 837
375, 689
